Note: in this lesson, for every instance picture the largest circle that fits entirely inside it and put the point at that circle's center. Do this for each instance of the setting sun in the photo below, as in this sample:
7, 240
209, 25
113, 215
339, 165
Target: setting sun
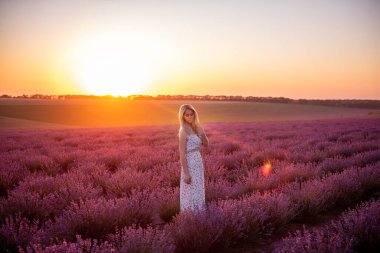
117, 63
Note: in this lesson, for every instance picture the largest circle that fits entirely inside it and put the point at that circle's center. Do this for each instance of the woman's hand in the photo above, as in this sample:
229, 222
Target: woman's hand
202, 135
200, 131
187, 179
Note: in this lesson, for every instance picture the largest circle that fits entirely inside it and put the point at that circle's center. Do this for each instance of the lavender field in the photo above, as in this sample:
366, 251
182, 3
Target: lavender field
268, 185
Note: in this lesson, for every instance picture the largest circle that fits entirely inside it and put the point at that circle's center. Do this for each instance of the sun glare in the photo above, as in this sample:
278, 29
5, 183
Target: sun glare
266, 169
118, 63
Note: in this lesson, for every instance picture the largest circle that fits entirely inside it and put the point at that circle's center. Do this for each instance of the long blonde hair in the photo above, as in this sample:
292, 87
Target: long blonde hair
182, 123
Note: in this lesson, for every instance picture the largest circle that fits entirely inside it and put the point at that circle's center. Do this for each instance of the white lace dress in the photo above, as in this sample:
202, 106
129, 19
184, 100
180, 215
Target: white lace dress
192, 196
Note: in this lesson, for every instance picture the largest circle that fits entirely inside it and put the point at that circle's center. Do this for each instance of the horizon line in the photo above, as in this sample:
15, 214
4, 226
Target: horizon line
30, 96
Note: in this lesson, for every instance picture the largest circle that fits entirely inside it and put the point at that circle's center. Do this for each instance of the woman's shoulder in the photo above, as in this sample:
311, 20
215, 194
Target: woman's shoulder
182, 133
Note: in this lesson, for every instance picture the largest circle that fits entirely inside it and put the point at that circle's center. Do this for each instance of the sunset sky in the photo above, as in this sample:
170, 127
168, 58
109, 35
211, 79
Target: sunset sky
290, 48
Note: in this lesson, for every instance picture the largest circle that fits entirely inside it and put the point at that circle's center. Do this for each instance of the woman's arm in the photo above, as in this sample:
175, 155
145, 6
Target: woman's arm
182, 155
203, 137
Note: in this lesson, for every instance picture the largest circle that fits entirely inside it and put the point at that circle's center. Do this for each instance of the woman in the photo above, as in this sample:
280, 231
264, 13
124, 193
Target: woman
191, 137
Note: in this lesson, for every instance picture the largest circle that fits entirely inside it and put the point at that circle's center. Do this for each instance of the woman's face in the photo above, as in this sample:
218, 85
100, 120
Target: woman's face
188, 115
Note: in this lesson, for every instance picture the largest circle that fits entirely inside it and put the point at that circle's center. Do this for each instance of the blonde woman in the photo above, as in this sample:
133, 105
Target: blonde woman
191, 137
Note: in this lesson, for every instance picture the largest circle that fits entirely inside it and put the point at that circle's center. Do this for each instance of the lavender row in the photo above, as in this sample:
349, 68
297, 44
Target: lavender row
284, 172
356, 230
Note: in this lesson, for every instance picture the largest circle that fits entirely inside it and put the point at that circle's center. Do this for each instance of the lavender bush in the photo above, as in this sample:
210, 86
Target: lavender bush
356, 230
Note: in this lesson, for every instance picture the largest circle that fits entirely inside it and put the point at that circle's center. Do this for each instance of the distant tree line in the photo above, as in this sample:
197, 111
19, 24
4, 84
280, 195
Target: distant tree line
357, 103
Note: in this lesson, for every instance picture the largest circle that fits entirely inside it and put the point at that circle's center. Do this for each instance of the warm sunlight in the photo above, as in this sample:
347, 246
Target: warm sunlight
119, 63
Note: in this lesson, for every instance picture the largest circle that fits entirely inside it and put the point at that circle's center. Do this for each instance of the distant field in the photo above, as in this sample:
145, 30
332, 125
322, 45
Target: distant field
33, 113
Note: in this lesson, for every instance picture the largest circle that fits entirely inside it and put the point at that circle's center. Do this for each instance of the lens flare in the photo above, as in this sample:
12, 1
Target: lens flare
266, 169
